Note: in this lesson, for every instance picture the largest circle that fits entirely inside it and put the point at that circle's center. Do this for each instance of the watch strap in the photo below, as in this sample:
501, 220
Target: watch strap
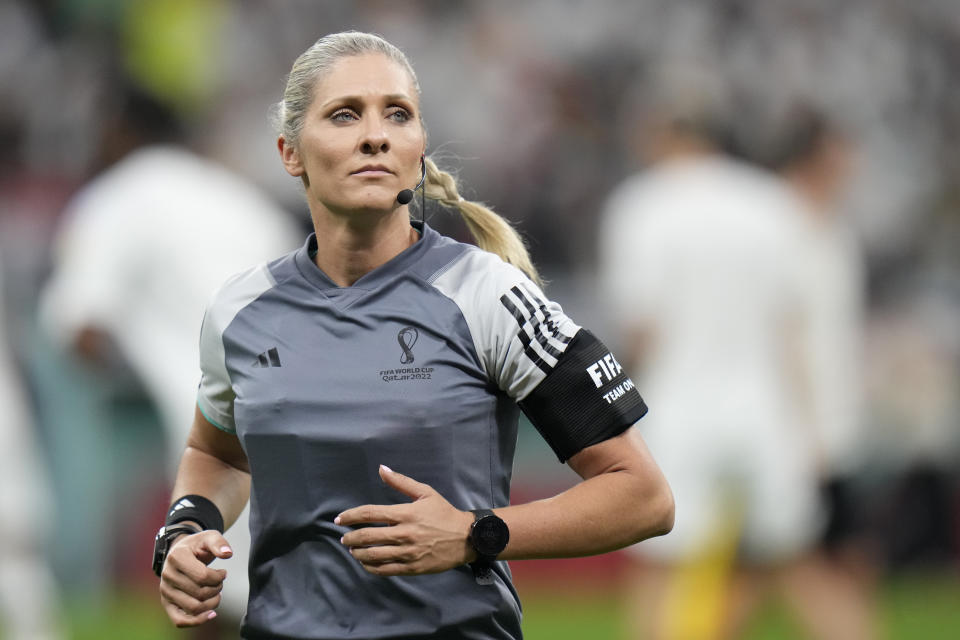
481, 513
482, 572
161, 544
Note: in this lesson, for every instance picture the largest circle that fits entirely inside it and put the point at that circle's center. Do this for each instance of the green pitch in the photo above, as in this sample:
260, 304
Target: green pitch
910, 607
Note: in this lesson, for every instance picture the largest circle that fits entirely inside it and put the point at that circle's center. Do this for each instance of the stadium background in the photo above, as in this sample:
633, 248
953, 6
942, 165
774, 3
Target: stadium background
526, 99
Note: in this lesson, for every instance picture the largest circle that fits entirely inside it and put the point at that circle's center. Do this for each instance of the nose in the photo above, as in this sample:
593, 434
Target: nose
374, 138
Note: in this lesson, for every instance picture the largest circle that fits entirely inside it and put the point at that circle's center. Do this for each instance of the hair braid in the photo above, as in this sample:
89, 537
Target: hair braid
491, 231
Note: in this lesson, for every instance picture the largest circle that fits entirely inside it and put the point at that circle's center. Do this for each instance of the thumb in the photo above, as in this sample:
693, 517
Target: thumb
215, 544
405, 484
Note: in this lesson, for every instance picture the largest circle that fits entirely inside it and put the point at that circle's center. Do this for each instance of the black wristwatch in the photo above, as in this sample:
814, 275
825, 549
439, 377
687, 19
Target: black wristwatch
161, 544
488, 535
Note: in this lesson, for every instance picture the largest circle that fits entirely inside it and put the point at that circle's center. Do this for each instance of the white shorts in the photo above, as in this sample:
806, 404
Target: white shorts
733, 465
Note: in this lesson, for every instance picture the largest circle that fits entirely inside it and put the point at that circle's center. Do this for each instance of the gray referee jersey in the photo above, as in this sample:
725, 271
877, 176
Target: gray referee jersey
419, 365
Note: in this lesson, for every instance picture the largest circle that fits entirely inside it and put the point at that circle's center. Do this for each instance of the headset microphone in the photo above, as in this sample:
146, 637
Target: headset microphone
406, 195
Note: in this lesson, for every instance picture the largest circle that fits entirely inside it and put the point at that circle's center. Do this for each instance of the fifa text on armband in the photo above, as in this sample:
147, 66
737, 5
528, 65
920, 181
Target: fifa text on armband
604, 370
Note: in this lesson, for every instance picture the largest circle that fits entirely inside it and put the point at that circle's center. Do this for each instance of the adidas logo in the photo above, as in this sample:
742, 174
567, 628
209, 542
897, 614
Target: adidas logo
183, 504
269, 358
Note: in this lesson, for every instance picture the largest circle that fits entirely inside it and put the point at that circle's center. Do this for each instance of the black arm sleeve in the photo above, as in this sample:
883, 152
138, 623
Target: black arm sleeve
587, 398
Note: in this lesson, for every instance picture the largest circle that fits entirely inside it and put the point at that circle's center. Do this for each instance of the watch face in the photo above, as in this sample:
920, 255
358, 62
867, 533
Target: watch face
490, 535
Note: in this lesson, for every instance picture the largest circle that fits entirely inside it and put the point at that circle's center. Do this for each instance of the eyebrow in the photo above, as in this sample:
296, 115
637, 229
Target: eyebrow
393, 97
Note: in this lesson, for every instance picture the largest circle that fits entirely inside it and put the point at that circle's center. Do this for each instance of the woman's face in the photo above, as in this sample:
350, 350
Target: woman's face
362, 139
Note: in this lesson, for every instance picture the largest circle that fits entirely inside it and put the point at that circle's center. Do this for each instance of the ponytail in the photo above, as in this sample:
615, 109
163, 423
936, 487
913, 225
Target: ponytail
492, 232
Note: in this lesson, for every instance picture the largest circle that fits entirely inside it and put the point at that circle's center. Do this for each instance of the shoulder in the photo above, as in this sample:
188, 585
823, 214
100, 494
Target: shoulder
463, 271
239, 290
492, 294
746, 180
473, 271
518, 333
632, 196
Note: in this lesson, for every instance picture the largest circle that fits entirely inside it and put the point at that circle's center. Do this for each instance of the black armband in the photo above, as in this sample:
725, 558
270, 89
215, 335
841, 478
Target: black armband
587, 398
195, 509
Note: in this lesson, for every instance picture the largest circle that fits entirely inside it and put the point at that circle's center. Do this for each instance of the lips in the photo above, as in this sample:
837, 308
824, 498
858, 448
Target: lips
372, 168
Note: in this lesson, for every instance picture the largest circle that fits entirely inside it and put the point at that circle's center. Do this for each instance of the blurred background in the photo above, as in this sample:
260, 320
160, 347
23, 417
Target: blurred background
542, 108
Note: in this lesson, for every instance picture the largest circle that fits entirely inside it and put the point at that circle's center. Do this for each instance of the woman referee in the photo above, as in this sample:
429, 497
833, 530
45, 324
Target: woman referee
364, 392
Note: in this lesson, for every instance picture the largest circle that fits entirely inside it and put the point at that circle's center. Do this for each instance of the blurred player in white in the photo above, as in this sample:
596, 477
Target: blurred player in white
817, 160
702, 262
141, 250
29, 607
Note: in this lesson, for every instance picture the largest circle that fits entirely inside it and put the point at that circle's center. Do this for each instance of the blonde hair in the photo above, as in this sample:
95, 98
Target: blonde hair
492, 232
315, 62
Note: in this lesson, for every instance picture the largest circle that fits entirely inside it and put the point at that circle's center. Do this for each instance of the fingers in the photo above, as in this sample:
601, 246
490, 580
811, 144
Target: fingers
189, 589
405, 484
392, 560
216, 544
184, 610
199, 590
386, 554
375, 536
208, 545
187, 602
386, 514
190, 556
182, 619
371, 514
394, 569
427, 535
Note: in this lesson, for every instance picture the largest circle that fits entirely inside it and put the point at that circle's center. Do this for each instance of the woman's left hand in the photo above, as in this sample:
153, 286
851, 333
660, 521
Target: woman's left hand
428, 535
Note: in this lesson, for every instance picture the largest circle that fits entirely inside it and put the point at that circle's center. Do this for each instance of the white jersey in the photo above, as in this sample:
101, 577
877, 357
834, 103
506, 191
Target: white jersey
141, 250
705, 254
834, 281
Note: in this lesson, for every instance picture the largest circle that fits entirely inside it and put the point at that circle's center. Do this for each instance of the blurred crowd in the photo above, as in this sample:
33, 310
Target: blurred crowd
545, 109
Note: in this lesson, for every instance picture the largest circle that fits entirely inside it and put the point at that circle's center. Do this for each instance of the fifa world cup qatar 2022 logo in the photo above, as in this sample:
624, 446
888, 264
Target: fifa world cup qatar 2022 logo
407, 338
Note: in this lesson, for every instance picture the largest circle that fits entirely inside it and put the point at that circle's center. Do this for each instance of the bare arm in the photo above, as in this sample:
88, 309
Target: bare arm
623, 499
214, 466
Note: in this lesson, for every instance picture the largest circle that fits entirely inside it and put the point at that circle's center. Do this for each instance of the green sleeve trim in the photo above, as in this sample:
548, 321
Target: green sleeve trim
215, 423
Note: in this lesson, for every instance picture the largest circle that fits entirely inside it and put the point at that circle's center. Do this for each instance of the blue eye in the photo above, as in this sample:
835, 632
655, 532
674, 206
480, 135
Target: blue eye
400, 115
343, 115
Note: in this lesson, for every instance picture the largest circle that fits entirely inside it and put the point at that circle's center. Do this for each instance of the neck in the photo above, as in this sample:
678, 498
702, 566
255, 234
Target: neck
816, 189
669, 148
350, 247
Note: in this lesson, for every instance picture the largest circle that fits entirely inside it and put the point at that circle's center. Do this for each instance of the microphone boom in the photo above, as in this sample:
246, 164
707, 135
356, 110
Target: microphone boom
406, 195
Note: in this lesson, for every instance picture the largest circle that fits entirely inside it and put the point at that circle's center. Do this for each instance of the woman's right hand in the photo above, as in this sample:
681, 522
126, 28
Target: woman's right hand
189, 589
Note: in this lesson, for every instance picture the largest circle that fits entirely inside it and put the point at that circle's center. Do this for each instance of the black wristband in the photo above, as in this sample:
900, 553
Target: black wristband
195, 509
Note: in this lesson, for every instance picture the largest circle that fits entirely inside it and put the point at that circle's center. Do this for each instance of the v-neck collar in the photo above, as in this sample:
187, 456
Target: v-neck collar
368, 281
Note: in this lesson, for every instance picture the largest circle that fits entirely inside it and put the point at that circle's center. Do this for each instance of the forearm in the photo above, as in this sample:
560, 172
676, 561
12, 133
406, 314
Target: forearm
603, 513
204, 474
623, 499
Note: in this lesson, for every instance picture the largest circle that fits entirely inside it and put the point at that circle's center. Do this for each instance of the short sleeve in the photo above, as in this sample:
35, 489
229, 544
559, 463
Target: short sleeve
215, 396
563, 378
518, 334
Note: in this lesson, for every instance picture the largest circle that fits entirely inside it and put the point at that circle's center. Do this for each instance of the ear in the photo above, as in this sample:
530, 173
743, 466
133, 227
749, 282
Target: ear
290, 157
